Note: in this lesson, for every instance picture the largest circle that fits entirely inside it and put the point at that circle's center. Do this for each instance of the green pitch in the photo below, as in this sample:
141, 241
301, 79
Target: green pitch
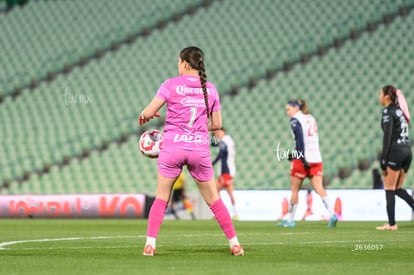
31, 246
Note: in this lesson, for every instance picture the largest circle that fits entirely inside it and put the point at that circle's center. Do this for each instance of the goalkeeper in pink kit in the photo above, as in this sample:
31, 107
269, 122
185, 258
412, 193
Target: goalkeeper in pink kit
193, 109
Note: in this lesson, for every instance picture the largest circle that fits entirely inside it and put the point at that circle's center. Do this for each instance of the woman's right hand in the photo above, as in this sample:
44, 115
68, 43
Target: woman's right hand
142, 119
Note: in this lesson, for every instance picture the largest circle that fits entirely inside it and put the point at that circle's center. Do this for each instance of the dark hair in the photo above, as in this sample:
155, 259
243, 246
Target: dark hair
301, 104
194, 56
390, 91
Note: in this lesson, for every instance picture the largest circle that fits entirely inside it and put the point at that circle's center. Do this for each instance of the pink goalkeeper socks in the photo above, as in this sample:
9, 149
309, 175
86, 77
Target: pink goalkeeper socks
223, 218
156, 216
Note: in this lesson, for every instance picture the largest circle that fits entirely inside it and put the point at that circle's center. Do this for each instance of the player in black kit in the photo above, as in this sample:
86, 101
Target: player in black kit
396, 150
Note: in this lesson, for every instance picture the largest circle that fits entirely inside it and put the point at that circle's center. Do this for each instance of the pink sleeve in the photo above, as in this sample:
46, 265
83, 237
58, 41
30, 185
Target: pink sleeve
163, 92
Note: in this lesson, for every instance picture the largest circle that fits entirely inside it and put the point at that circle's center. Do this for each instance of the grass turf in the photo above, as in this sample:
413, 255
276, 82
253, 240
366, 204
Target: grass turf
32, 246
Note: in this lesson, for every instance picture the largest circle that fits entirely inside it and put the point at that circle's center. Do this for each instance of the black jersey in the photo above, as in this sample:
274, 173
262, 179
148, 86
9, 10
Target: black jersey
395, 128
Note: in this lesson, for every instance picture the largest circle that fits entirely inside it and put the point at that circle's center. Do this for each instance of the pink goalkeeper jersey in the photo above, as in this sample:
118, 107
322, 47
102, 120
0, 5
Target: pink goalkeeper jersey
186, 118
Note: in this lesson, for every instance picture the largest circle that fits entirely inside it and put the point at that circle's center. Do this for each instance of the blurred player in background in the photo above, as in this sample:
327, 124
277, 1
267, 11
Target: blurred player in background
396, 150
306, 159
193, 109
227, 169
179, 195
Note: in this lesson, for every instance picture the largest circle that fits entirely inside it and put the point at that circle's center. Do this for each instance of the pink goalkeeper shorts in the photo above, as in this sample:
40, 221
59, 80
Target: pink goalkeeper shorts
171, 161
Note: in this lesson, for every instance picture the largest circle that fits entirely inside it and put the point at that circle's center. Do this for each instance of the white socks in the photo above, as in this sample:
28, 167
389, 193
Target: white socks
292, 211
234, 241
325, 201
151, 241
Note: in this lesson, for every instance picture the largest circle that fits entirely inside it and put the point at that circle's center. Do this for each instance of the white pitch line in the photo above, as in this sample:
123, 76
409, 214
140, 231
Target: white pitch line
3, 245
78, 247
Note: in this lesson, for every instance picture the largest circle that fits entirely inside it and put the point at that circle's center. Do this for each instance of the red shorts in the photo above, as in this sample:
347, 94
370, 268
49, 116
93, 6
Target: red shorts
225, 180
297, 169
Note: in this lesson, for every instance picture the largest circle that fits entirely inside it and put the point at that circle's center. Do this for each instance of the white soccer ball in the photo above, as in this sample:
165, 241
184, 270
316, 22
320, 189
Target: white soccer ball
150, 143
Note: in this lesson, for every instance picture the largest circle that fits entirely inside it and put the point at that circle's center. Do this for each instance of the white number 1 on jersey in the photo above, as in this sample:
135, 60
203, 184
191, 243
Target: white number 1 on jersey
193, 116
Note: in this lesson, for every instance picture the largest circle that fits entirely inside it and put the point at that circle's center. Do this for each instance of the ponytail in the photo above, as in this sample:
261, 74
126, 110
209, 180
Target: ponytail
194, 56
203, 81
304, 107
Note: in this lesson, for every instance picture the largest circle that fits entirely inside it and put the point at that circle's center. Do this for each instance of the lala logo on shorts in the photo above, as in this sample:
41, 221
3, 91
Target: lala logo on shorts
188, 138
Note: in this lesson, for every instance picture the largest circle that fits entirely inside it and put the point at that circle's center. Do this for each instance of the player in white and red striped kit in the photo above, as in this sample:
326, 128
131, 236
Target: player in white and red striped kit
306, 159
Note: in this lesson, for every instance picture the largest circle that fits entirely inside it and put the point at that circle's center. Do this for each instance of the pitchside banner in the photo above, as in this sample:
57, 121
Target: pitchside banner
73, 206
350, 205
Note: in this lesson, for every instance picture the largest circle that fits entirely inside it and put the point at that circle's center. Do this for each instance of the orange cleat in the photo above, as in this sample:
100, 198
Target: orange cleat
237, 250
149, 250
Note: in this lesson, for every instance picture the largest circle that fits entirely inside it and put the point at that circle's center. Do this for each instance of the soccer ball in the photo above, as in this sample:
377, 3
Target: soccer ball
150, 143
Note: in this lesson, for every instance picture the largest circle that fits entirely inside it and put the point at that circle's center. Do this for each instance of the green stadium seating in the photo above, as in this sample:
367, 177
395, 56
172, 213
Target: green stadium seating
42, 127
70, 30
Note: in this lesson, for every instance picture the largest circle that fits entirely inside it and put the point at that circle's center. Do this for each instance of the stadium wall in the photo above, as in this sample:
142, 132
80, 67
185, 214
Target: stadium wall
73, 206
251, 205
349, 205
